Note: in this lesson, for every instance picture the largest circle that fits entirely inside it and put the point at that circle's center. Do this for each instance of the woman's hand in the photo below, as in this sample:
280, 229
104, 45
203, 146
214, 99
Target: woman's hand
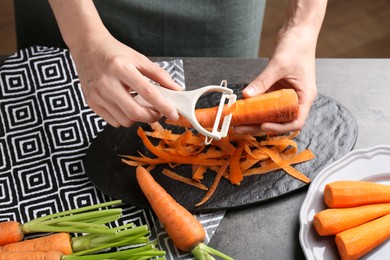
292, 64
108, 70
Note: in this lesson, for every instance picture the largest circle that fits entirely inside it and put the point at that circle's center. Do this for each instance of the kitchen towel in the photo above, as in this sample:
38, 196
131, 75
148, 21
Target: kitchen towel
46, 128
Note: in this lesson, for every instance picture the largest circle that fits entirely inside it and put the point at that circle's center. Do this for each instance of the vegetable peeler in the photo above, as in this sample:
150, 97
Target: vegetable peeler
185, 102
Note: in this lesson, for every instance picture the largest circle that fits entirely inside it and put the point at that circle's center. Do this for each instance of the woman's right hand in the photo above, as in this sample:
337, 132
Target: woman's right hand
108, 70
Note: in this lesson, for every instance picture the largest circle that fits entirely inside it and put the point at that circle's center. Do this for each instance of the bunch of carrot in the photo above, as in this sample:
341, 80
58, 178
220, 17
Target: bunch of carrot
183, 228
61, 245
358, 216
233, 157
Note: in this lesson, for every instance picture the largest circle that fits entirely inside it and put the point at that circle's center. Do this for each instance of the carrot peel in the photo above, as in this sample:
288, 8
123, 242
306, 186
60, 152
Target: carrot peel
244, 153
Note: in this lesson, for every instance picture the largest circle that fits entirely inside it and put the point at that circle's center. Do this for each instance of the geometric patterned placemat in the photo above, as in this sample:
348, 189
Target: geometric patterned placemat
46, 128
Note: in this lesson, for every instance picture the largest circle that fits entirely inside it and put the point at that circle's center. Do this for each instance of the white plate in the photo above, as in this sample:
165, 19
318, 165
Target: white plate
369, 165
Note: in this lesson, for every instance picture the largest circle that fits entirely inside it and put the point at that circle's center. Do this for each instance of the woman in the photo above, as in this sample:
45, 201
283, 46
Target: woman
111, 66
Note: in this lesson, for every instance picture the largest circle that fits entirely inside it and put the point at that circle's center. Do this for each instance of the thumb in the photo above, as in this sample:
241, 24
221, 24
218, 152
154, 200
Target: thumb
262, 82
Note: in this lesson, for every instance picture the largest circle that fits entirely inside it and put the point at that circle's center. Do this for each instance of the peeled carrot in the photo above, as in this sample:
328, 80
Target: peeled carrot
356, 242
332, 221
277, 106
341, 194
60, 242
183, 228
52, 255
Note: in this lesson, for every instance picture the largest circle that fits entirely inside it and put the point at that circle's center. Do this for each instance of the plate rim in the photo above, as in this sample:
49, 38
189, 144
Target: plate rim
323, 175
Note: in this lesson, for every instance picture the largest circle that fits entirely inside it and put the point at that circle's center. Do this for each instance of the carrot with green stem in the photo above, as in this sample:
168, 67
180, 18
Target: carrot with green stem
356, 242
341, 194
186, 232
81, 245
148, 251
277, 106
82, 220
332, 221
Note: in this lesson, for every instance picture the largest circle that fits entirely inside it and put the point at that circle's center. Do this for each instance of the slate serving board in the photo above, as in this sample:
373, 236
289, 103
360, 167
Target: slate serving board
330, 132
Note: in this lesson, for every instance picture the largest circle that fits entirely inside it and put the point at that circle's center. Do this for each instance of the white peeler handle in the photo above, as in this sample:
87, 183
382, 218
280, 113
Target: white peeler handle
185, 102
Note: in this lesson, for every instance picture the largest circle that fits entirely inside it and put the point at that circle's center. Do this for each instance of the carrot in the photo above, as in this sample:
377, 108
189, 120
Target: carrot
52, 255
59, 242
11, 231
183, 228
355, 193
356, 242
80, 245
332, 221
81, 220
277, 106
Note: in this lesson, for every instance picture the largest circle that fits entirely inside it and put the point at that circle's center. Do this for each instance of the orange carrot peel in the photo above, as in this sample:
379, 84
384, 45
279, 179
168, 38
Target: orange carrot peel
244, 155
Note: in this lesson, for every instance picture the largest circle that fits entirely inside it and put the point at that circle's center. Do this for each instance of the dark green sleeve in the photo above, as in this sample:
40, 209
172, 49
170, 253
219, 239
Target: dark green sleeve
187, 28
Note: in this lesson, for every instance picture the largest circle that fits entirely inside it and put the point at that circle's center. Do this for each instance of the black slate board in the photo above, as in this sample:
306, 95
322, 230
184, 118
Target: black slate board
330, 132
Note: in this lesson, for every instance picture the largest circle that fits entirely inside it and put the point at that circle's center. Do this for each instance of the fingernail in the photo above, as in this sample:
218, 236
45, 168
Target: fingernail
173, 116
249, 90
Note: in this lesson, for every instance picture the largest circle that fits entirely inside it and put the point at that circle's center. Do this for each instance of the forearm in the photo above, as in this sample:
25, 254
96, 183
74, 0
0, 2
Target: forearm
305, 18
305, 13
78, 20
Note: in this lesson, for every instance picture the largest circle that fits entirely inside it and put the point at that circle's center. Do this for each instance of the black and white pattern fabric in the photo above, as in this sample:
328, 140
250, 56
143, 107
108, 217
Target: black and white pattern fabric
46, 128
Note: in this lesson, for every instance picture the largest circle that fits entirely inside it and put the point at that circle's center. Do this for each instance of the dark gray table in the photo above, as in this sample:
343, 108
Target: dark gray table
270, 230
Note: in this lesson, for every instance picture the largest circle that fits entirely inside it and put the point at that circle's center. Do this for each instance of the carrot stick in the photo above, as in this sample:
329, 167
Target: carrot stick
52, 255
277, 106
332, 221
342, 194
60, 242
355, 242
183, 228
